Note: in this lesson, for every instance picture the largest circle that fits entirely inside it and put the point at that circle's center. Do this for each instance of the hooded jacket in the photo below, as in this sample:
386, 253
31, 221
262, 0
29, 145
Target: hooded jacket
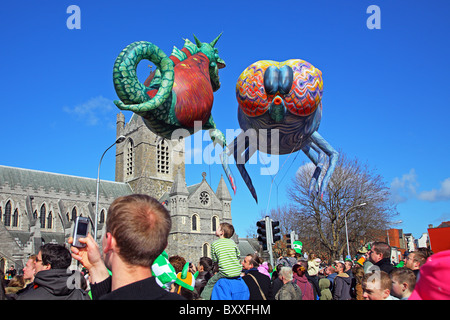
342, 286
55, 284
324, 285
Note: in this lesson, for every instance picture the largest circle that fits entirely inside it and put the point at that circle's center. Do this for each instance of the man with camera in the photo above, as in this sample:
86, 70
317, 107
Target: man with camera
137, 228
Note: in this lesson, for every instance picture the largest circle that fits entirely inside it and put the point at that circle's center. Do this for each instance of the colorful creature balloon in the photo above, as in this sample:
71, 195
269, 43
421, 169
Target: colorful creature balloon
177, 94
286, 96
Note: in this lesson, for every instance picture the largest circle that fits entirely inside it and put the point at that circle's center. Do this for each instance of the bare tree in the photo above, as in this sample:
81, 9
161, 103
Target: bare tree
321, 223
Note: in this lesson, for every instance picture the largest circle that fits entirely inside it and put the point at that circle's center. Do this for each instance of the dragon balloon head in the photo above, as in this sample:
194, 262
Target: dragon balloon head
215, 62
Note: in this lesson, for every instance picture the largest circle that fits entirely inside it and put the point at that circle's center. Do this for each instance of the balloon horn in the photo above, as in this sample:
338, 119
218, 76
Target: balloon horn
213, 43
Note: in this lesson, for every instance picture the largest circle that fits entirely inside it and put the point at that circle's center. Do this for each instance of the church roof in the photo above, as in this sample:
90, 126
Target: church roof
18, 177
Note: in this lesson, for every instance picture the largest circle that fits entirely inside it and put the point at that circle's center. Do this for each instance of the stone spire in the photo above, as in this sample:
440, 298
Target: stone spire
222, 190
179, 186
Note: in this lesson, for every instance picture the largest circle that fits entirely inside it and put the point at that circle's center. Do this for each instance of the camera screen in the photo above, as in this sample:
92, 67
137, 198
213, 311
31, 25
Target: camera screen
82, 228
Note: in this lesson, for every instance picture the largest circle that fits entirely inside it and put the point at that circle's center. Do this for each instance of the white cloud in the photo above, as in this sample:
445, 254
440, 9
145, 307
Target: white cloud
404, 187
441, 194
407, 186
92, 111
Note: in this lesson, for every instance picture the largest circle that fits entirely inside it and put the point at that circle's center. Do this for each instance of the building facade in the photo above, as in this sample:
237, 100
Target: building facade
39, 207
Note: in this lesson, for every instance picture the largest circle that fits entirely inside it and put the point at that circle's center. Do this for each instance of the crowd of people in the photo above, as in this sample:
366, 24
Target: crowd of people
133, 264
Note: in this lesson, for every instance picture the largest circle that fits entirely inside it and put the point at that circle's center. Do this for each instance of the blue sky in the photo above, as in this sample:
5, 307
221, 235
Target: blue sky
386, 91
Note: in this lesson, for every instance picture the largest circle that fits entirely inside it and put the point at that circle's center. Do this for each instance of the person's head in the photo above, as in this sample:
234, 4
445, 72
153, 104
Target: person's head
225, 230
290, 252
285, 274
53, 256
403, 282
30, 268
300, 268
379, 251
348, 265
205, 264
415, 260
376, 285
340, 267
17, 281
137, 228
358, 273
177, 263
251, 261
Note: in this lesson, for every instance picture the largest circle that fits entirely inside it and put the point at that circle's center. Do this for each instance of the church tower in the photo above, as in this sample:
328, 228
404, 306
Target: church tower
147, 162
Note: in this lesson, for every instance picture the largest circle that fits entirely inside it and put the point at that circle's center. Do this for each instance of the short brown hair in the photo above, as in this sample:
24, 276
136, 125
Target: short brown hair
383, 248
141, 226
420, 257
228, 229
404, 275
383, 277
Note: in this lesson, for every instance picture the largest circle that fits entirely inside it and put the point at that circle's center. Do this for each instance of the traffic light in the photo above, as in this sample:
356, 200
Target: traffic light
275, 231
262, 233
288, 240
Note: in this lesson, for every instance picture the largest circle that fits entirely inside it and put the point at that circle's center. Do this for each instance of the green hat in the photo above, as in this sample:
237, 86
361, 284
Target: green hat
186, 279
163, 271
297, 246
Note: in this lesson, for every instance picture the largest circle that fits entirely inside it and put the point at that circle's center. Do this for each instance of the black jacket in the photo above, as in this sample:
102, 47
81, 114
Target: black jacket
385, 265
264, 283
55, 284
146, 289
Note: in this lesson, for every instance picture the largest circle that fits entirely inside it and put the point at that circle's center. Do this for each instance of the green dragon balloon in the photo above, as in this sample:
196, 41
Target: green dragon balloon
178, 94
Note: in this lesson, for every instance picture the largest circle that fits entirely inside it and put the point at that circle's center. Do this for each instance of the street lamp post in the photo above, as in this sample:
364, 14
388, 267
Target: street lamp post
346, 230
120, 139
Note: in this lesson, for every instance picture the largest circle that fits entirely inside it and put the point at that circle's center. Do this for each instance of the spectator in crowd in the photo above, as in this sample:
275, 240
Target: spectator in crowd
434, 280
54, 280
380, 256
342, 283
185, 283
225, 253
258, 284
377, 285
11, 272
358, 274
325, 292
414, 261
289, 260
177, 262
264, 269
28, 273
16, 284
205, 266
289, 290
330, 273
277, 283
403, 282
137, 228
230, 289
300, 279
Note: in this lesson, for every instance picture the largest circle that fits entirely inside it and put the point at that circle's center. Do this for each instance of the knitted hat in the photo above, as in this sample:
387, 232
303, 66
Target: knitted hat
186, 279
434, 279
164, 271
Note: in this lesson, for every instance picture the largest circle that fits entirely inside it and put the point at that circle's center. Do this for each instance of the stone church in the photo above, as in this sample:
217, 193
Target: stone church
39, 207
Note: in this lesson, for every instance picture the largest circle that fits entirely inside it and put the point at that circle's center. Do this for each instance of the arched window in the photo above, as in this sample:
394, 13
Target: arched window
74, 214
7, 217
195, 223
205, 250
15, 221
214, 223
50, 220
102, 216
35, 214
129, 159
162, 153
43, 215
